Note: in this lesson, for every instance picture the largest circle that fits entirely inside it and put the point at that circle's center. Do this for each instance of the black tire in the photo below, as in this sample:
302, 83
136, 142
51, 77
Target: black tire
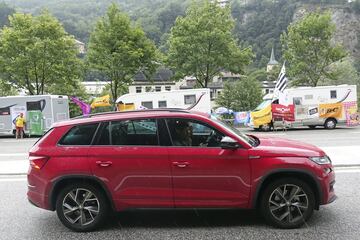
95, 201
299, 209
330, 123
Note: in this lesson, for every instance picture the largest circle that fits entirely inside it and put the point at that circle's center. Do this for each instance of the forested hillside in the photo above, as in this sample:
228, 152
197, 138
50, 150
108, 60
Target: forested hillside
259, 23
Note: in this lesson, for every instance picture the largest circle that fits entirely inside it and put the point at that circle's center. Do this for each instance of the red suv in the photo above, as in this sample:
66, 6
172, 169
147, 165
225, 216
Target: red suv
171, 158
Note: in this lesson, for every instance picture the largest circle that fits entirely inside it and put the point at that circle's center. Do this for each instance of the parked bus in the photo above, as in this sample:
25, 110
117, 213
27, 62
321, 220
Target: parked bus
167, 99
52, 108
325, 106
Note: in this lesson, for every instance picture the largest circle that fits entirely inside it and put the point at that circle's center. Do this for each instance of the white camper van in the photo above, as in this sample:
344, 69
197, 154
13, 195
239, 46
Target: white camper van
325, 106
169, 99
54, 108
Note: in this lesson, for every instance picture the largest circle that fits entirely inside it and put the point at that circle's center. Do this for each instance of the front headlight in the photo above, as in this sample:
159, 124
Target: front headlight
321, 160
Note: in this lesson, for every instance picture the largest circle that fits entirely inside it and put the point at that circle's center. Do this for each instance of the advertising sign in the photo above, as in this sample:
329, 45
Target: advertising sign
352, 116
331, 110
241, 117
286, 113
35, 120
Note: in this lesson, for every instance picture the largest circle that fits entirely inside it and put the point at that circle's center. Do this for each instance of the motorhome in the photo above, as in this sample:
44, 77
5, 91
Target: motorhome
199, 99
53, 108
326, 106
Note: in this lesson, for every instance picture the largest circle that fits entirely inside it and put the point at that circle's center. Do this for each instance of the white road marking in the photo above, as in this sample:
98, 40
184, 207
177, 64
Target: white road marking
14, 154
19, 141
13, 179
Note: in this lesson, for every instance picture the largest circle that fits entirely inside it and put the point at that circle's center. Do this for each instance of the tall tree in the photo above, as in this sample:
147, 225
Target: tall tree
309, 51
201, 43
243, 95
119, 50
36, 53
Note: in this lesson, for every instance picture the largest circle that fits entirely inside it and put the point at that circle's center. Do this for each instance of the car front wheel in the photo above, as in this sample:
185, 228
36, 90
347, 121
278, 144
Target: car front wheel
81, 207
287, 203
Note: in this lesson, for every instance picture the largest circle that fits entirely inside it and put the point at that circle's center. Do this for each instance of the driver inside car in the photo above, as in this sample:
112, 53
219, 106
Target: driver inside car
183, 134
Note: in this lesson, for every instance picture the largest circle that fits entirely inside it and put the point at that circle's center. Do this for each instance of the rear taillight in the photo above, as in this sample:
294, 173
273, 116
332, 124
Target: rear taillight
38, 162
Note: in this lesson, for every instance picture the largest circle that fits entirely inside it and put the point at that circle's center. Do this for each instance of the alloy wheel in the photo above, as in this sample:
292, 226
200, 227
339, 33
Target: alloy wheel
288, 203
80, 207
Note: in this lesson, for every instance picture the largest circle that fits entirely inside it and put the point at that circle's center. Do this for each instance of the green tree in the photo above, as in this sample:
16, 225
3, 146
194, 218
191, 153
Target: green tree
119, 50
6, 88
201, 44
242, 95
36, 53
309, 51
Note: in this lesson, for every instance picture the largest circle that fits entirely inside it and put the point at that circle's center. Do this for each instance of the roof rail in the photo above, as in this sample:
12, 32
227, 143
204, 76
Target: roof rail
135, 111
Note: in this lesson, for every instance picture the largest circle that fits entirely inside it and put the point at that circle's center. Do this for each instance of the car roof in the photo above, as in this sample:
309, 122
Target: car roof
148, 113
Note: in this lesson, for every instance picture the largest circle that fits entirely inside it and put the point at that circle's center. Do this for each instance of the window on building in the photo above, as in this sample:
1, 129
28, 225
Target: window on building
167, 88
148, 89
79, 135
190, 99
158, 89
138, 89
333, 94
162, 104
148, 105
135, 132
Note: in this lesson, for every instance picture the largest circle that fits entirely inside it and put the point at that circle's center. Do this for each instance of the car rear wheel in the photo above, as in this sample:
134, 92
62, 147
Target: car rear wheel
81, 207
287, 203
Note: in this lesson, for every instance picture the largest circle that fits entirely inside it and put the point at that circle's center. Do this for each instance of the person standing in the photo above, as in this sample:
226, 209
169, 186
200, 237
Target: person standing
20, 125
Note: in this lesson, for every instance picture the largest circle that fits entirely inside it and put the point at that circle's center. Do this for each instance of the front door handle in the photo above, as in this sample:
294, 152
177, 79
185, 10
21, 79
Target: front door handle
104, 164
181, 164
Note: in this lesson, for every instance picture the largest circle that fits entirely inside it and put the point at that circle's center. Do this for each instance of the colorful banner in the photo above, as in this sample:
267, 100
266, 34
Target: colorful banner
85, 108
330, 110
241, 117
103, 101
261, 117
286, 113
352, 116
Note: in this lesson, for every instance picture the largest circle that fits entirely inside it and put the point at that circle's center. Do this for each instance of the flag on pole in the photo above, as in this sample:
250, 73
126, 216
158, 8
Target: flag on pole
281, 82
85, 108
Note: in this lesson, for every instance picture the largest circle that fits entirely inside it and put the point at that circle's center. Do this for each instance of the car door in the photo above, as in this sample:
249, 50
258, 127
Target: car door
127, 157
204, 174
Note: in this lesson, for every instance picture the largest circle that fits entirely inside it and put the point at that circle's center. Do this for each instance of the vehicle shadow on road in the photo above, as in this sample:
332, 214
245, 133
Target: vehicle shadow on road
185, 218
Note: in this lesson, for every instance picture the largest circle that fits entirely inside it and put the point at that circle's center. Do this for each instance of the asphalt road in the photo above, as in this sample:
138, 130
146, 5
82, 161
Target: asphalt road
339, 220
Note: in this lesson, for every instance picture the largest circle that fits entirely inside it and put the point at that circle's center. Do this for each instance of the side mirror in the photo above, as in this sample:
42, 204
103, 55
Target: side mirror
229, 143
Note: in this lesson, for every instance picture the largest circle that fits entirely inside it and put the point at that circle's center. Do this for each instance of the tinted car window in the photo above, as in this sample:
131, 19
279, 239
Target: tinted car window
103, 136
79, 135
134, 132
185, 132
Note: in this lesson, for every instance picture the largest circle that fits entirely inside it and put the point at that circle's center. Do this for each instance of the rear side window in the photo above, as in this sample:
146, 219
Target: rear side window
134, 132
79, 135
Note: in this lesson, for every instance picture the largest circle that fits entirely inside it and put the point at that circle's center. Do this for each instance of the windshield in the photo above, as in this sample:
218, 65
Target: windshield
249, 139
263, 105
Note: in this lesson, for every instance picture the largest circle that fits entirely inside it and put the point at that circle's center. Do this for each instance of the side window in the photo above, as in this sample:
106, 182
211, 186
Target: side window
297, 101
185, 132
189, 99
333, 94
134, 132
79, 135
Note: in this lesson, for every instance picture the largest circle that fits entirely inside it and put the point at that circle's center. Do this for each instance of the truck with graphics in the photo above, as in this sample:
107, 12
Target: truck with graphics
198, 99
40, 111
326, 106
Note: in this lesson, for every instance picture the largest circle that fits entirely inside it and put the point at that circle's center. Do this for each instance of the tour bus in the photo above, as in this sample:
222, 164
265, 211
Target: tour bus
325, 106
53, 108
198, 99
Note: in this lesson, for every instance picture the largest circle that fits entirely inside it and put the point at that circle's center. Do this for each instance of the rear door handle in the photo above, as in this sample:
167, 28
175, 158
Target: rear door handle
103, 164
181, 164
